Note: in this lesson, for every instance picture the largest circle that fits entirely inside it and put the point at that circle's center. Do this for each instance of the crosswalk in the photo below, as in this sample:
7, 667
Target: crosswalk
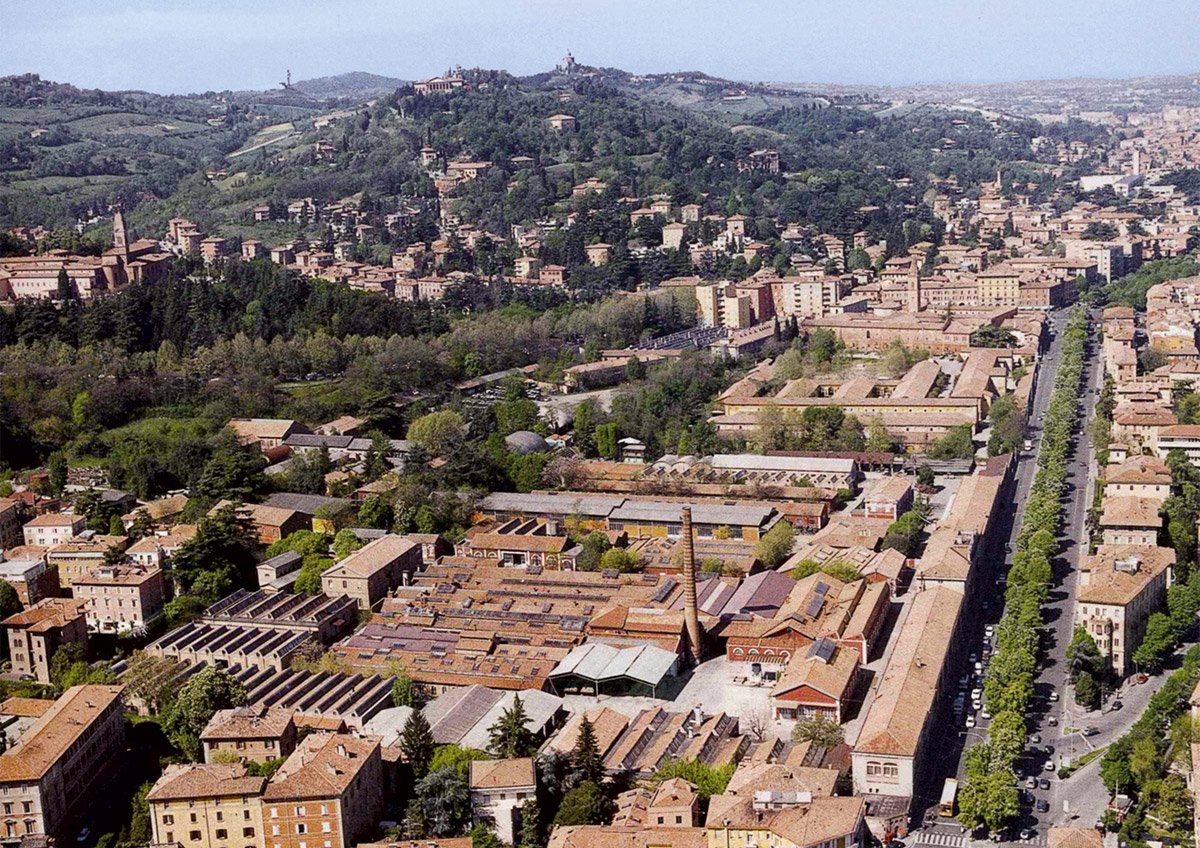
936, 839
942, 840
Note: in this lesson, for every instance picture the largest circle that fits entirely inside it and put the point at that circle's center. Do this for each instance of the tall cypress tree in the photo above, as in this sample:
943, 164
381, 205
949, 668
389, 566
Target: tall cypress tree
416, 741
586, 755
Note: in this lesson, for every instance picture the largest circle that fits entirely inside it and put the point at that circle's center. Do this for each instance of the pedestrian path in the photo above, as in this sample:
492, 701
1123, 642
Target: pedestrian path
942, 840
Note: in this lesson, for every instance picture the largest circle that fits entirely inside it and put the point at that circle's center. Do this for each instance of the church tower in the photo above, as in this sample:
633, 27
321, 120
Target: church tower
120, 237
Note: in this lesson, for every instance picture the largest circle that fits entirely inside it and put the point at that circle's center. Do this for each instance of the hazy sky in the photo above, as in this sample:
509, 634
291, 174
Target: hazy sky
173, 46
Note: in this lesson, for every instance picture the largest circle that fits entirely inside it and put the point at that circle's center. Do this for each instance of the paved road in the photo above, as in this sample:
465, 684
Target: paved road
1060, 607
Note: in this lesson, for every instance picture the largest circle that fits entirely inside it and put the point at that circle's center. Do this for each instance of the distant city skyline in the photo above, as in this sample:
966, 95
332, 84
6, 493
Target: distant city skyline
224, 44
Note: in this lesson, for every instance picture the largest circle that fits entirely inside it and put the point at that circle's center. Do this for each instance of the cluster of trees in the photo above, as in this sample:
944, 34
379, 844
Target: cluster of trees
1131, 289
572, 789
906, 532
172, 362
1138, 764
318, 552
1008, 426
989, 796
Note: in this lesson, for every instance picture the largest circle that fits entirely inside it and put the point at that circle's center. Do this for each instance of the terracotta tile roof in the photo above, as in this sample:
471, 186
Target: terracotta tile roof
26, 707
502, 774
322, 766
186, 781
1116, 574
819, 821
908, 686
252, 722
48, 738
1128, 511
47, 614
373, 556
607, 725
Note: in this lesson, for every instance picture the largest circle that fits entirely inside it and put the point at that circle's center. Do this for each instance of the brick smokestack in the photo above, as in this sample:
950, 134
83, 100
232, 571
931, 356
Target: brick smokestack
691, 617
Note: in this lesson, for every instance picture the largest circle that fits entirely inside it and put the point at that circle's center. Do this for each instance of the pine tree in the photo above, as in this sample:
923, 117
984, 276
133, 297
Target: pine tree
416, 741
586, 755
510, 736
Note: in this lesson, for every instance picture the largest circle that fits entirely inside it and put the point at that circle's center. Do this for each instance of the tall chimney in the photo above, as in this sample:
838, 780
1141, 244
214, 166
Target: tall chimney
691, 617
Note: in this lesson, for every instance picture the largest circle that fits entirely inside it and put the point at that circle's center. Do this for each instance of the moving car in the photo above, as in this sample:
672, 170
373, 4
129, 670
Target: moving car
1091, 730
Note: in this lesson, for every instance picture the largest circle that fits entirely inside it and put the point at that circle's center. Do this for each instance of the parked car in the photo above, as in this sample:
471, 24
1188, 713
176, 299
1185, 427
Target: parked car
1042, 807
986, 713
1026, 834
1049, 766
1053, 694
1116, 705
1043, 784
1035, 738
1090, 730
1031, 782
1049, 749
970, 721
989, 630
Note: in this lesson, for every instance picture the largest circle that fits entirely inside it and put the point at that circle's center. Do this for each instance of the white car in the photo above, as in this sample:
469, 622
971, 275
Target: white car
986, 713
989, 631
976, 693
1053, 694
970, 721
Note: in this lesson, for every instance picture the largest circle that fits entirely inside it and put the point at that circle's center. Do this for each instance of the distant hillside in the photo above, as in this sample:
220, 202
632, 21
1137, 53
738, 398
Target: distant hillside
356, 84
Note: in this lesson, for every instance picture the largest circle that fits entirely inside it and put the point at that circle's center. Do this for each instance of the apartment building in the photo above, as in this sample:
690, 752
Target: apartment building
368, 574
48, 778
327, 794
52, 528
121, 598
256, 733
893, 744
36, 633
1130, 520
1119, 587
498, 790
207, 805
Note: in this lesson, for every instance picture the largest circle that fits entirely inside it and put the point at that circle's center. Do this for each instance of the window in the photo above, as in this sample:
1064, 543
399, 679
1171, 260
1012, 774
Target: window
27, 806
192, 817
679, 820
246, 814
274, 830
660, 819
194, 835
247, 832
168, 819
222, 833
326, 828
301, 827
220, 816
324, 809
274, 812
301, 811
170, 835
30, 825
